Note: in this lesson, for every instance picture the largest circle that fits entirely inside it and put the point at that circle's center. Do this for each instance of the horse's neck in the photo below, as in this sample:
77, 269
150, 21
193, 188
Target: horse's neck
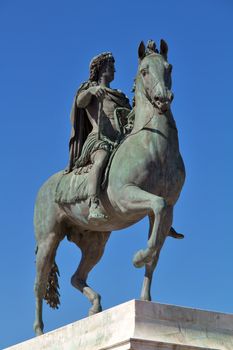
144, 112
147, 116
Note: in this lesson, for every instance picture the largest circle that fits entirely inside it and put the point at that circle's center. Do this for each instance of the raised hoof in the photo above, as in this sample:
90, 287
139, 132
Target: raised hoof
141, 258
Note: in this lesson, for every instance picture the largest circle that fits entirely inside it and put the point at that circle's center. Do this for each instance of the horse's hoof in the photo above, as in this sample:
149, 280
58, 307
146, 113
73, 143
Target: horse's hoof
138, 259
94, 310
146, 297
174, 234
141, 258
38, 331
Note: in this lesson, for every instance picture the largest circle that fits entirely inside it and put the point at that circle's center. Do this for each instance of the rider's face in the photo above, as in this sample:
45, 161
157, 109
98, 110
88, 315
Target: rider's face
108, 71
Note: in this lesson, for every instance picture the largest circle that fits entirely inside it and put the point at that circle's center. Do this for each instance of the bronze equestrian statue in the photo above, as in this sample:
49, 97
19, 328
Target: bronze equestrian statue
144, 176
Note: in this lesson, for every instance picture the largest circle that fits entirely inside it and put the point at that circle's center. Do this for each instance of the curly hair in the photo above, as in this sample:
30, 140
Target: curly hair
97, 63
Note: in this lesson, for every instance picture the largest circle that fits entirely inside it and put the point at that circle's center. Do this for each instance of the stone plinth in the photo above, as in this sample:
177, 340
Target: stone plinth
141, 325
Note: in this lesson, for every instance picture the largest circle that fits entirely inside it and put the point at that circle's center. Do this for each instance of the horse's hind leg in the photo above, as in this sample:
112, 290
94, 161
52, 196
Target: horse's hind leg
150, 267
45, 255
92, 245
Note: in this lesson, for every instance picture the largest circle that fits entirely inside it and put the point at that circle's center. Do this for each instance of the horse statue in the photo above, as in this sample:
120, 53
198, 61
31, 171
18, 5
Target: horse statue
145, 179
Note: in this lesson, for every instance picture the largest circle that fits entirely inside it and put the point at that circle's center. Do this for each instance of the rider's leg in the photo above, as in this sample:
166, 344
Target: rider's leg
100, 159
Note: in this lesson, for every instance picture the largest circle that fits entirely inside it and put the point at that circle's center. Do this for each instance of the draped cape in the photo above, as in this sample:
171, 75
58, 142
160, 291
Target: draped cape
81, 126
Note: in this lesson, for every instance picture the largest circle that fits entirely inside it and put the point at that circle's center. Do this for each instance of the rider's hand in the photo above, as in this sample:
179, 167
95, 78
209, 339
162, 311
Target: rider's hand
97, 91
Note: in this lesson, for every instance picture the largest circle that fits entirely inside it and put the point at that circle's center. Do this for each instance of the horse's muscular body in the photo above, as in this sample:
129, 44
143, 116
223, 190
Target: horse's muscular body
145, 179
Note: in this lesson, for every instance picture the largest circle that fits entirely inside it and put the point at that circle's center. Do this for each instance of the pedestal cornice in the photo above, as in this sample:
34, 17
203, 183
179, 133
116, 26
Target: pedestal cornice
140, 325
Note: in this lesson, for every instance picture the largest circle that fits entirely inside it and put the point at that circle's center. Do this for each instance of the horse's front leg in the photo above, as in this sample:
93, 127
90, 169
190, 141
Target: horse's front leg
133, 199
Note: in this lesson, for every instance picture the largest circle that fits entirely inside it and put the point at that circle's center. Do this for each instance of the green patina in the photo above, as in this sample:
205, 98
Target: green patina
145, 177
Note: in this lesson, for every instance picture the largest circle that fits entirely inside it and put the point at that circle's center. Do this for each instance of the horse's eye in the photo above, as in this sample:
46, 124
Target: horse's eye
144, 72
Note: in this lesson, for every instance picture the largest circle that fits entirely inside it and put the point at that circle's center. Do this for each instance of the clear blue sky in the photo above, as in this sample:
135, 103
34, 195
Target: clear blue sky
45, 51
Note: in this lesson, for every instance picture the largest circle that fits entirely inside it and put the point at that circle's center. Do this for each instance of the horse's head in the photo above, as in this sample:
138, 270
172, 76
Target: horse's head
154, 75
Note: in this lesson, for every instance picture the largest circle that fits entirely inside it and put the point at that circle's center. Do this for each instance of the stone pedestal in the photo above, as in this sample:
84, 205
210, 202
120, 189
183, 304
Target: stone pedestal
141, 325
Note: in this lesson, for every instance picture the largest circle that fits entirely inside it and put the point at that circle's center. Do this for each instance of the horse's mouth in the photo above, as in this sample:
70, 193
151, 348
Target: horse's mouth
162, 106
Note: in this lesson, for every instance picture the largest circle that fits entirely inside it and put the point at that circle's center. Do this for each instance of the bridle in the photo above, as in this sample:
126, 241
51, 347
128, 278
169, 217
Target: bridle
161, 106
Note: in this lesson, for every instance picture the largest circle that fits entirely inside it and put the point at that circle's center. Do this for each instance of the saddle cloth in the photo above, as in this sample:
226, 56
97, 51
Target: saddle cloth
72, 188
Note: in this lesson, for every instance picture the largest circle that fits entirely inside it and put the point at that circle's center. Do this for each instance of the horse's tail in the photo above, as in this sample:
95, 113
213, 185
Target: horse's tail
52, 294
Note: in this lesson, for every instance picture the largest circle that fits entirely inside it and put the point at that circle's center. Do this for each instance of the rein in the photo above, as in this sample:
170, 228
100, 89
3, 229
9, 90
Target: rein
144, 127
154, 105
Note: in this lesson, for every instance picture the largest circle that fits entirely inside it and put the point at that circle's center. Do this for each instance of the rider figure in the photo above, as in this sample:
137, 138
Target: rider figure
94, 130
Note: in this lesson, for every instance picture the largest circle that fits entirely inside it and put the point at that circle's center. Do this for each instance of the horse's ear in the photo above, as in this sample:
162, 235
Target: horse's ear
163, 48
141, 50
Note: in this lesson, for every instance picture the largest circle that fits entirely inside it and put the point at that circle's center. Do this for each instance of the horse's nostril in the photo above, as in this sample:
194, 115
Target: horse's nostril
170, 96
158, 97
